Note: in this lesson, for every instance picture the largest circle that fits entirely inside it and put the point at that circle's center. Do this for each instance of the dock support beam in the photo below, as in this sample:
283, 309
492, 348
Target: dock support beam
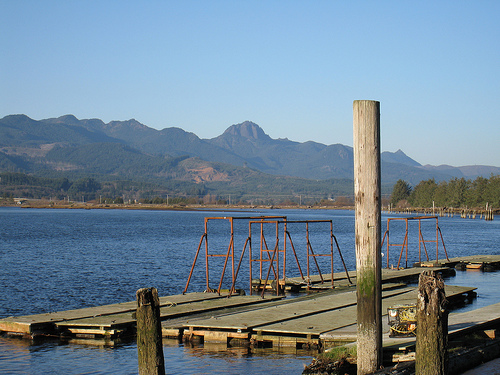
149, 339
366, 124
432, 326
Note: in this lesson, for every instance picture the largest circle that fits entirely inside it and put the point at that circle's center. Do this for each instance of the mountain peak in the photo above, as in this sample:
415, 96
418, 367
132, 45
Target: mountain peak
131, 124
399, 157
247, 130
19, 117
68, 119
16, 120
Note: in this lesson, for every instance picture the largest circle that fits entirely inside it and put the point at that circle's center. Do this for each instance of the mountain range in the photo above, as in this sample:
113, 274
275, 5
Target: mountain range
129, 149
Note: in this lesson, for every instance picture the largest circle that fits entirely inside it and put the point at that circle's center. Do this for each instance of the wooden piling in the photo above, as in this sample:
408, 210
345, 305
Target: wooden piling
432, 326
149, 338
488, 215
366, 124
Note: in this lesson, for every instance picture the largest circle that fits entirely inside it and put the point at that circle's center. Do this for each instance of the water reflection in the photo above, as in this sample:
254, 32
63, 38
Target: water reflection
19, 356
485, 282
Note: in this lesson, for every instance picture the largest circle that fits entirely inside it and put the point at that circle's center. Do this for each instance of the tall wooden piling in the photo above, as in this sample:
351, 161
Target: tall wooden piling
366, 124
149, 339
432, 326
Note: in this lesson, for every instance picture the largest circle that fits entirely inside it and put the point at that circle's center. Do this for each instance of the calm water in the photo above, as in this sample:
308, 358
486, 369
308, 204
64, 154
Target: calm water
63, 259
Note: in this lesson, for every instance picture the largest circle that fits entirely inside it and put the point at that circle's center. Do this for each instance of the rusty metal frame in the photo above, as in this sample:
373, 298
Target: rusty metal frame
264, 250
312, 255
229, 255
274, 256
274, 260
421, 241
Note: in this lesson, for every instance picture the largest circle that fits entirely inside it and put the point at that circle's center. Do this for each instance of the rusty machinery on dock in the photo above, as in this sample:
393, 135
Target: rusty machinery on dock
274, 256
421, 241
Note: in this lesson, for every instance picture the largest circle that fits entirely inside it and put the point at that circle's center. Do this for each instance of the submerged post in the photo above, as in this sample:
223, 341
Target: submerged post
366, 123
432, 326
149, 341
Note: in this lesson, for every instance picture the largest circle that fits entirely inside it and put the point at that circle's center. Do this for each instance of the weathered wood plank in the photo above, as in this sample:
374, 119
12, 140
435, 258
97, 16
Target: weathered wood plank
488, 259
308, 310
28, 324
458, 323
219, 336
167, 312
284, 312
338, 278
181, 310
348, 332
388, 275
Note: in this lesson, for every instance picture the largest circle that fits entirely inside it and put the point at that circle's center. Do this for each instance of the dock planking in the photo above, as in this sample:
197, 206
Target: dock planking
295, 308
492, 261
115, 319
297, 323
459, 324
116, 324
347, 333
340, 278
401, 349
307, 322
100, 319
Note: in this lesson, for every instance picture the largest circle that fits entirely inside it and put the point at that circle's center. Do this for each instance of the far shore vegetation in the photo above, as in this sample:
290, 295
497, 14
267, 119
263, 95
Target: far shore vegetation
456, 194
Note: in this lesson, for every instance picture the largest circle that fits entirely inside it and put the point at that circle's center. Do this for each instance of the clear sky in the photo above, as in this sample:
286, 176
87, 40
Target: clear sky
292, 67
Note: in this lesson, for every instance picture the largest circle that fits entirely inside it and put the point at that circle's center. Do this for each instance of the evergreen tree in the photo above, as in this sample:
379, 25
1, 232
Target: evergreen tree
492, 192
477, 191
441, 195
401, 191
423, 194
457, 190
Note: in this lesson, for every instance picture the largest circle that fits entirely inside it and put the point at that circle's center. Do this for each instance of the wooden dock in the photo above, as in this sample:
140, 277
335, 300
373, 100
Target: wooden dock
321, 320
458, 324
117, 320
340, 279
488, 262
444, 266
311, 321
484, 319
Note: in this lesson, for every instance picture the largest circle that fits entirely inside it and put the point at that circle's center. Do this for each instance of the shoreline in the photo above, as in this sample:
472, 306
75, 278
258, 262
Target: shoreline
37, 203
162, 207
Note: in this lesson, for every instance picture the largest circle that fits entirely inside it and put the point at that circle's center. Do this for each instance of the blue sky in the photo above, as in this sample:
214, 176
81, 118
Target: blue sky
292, 67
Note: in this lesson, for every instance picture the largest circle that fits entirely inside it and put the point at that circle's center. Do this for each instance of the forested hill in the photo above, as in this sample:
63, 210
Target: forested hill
243, 145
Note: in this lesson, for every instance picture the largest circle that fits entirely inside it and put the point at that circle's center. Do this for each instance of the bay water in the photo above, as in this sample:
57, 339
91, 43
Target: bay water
53, 260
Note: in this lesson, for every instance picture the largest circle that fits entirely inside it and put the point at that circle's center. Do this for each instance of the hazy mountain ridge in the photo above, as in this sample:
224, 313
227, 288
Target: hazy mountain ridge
399, 157
58, 143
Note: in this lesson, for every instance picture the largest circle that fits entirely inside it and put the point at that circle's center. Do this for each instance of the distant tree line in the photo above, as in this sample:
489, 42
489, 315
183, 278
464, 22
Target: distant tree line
107, 189
455, 193
27, 186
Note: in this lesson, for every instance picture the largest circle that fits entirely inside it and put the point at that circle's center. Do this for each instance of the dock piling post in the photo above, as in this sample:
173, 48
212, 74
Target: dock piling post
149, 339
366, 123
432, 326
